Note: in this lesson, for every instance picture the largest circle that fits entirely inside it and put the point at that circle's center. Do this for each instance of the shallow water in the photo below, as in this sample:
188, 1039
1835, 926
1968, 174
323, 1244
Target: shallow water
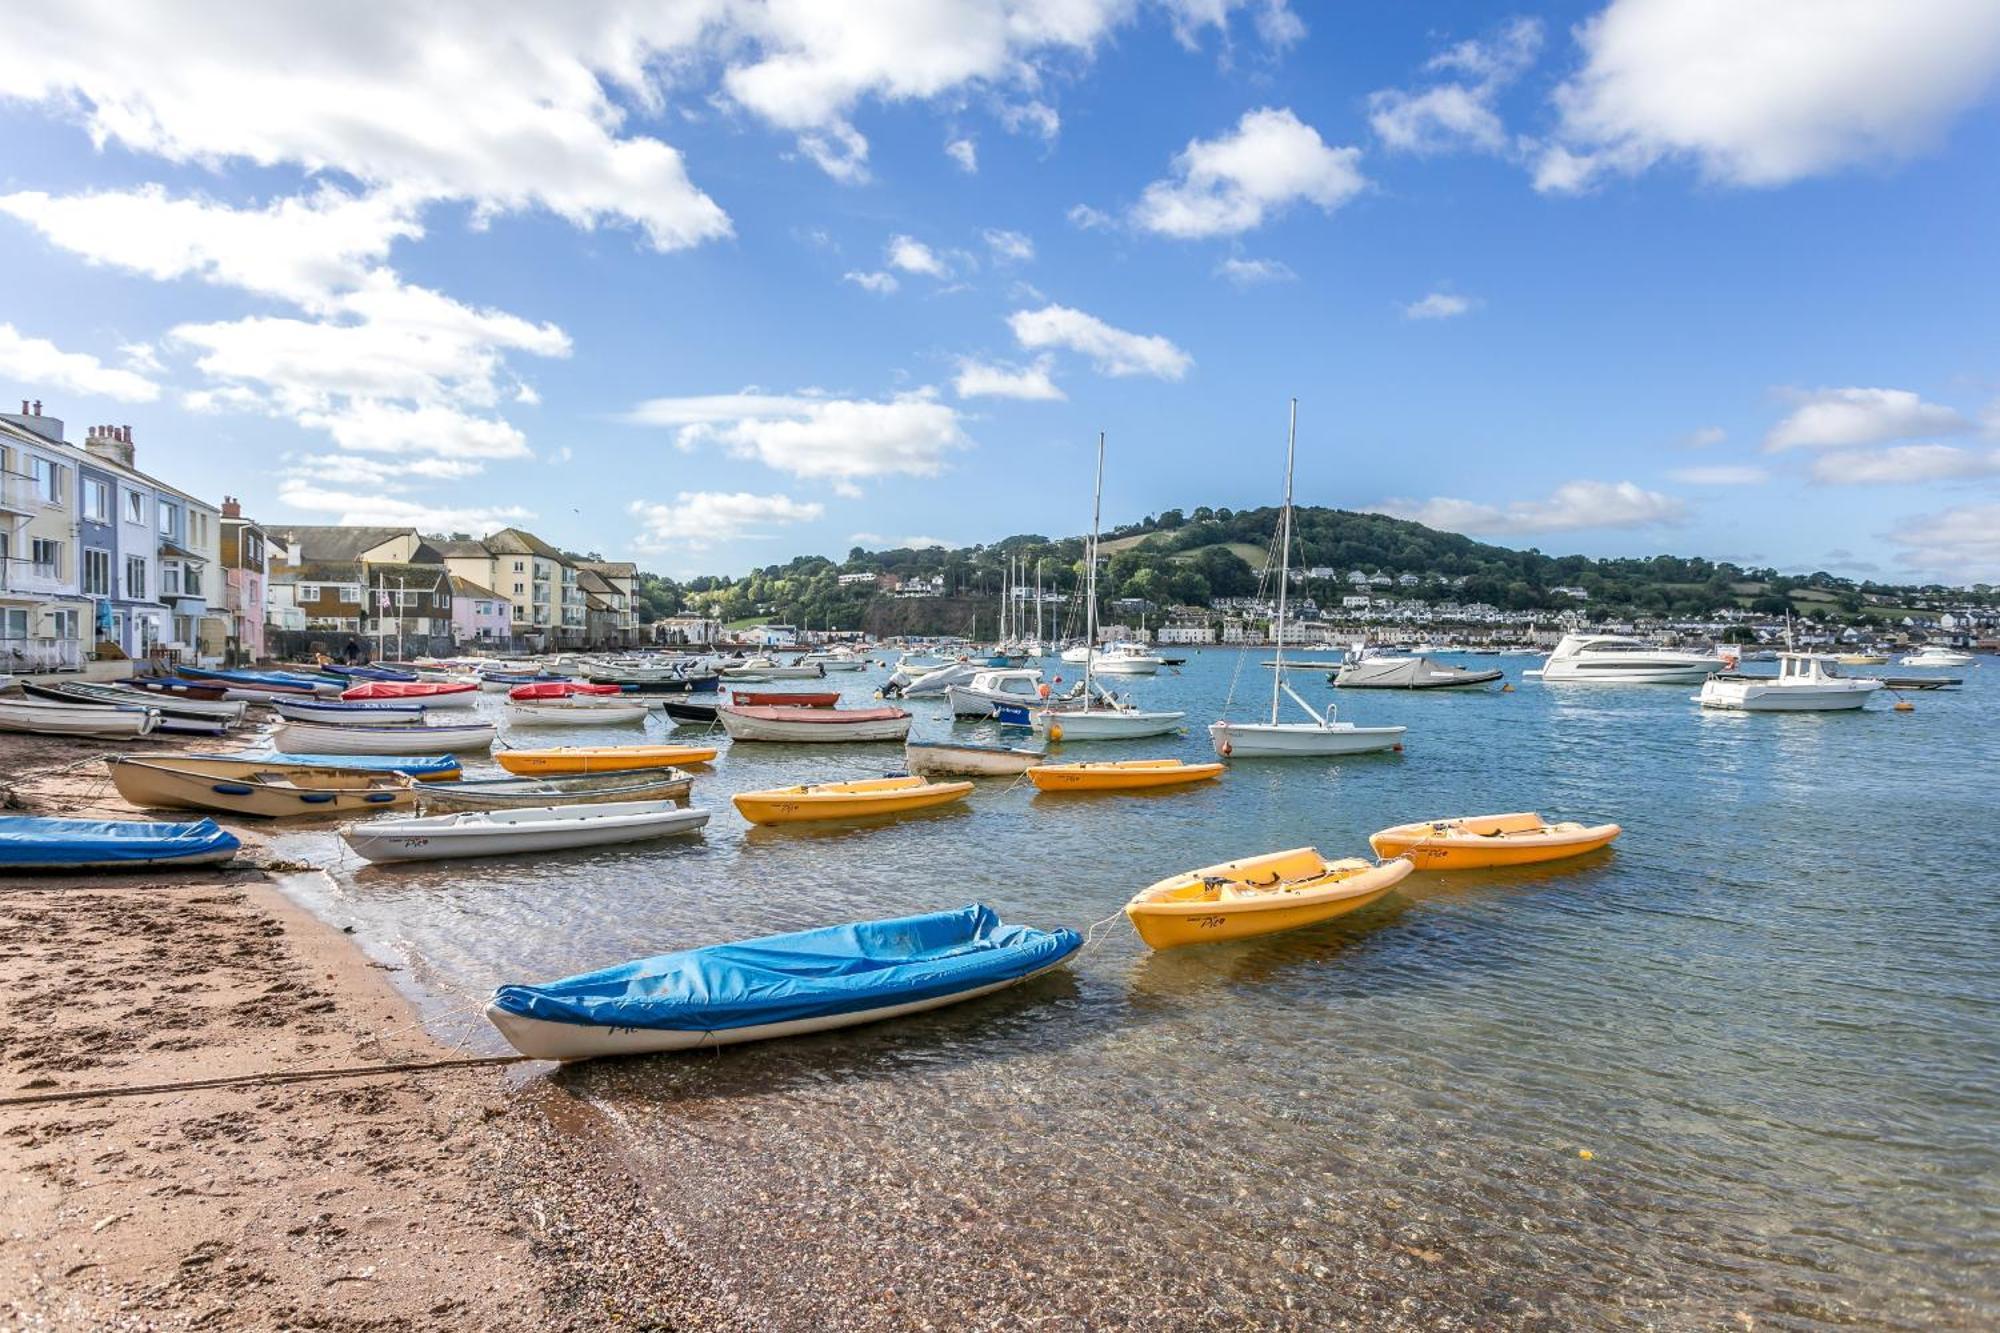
1769, 1015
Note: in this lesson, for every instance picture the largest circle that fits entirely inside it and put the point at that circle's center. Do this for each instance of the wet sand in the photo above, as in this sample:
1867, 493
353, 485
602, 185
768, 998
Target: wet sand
433, 1200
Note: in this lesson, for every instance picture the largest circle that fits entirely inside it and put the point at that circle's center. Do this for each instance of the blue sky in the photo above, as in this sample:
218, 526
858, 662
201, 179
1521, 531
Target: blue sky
713, 283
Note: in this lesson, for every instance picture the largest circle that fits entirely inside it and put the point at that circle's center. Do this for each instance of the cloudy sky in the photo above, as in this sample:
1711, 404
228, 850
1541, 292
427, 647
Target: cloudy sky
712, 282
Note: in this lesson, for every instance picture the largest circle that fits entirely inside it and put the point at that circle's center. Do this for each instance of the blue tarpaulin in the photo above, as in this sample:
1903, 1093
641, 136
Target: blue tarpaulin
38, 844
785, 978
420, 766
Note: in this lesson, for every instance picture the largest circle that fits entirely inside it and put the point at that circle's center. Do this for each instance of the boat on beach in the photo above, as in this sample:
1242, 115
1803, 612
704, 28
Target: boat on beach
1258, 895
548, 828
1121, 775
333, 713
815, 725
256, 685
580, 711
1478, 842
40, 717
633, 784
432, 694
169, 784
964, 759
35, 845
187, 717
601, 758
846, 800
320, 770
424, 738
777, 985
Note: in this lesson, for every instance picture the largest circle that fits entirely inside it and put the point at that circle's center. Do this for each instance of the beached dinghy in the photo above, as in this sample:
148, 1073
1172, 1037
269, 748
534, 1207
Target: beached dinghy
253, 686
39, 717
1481, 841
225, 711
1121, 775
169, 784
429, 692
427, 738
777, 986
109, 844
846, 800
562, 689
582, 711
333, 713
950, 759
1258, 895
175, 688
345, 770
815, 725
173, 718
548, 828
636, 784
601, 758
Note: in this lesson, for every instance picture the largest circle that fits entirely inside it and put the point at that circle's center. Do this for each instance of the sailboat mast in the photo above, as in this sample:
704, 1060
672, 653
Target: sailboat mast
1284, 560
1090, 578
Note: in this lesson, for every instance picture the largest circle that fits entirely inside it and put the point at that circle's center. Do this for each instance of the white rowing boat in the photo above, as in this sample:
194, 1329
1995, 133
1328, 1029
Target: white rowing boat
318, 738
508, 832
577, 711
109, 721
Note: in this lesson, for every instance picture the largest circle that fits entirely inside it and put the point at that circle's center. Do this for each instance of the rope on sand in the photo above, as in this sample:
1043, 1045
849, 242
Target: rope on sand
260, 1080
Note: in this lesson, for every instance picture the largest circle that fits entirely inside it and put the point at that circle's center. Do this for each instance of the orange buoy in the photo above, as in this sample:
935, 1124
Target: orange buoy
1904, 706
1055, 731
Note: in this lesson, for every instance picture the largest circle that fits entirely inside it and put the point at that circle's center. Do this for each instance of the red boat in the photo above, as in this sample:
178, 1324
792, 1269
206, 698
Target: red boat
560, 689
783, 699
406, 689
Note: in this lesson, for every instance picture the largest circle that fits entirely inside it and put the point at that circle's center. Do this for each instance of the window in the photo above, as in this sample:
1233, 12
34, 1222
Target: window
14, 622
96, 571
96, 500
135, 507
169, 519
48, 481
48, 558
197, 528
135, 577
191, 580
170, 578
519, 589
309, 592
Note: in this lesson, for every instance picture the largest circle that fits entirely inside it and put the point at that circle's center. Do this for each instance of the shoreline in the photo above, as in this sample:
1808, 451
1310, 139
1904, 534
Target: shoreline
451, 1198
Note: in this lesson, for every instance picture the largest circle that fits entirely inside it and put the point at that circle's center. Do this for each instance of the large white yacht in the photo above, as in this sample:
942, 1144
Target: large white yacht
1936, 655
1624, 661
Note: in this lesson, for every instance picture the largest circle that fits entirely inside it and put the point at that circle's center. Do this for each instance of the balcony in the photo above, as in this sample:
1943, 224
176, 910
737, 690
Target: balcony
18, 495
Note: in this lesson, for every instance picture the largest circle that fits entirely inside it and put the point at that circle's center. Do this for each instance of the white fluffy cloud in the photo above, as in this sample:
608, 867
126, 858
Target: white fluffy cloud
1850, 416
1573, 506
880, 282
965, 152
1766, 93
388, 510
1721, 474
913, 256
38, 362
981, 379
1438, 305
1962, 542
1009, 247
696, 520
836, 439
1113, 351
1232, 184
876, 541
1458, 112
1904, 464
1252, 272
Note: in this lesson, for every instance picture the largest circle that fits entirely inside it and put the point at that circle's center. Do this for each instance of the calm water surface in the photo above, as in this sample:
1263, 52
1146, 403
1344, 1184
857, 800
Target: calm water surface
1769, 1015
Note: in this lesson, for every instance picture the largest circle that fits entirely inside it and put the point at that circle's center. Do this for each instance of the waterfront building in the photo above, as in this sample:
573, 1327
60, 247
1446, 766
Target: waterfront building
43, 612
621, 577
480, 617
245, 581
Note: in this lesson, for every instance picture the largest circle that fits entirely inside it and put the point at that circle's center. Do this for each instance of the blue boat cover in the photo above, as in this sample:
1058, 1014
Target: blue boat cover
26, 841
419, 766
784, 978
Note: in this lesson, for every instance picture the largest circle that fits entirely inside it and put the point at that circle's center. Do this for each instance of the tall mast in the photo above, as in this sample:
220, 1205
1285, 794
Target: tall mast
1090, 579
1284, 560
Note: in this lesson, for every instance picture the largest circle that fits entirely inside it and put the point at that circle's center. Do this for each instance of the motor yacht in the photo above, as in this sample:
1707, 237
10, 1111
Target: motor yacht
1622, 660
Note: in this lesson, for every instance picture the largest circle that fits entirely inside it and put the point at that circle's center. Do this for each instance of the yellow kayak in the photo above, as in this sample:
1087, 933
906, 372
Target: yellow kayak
1258, 895
601, 758
1482, 841
846, 800
1120, 775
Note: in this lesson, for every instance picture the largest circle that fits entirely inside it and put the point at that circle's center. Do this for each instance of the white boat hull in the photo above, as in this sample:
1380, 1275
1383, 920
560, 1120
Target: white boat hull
1727, 696
573, 715
542, 1040
1621, 674
1105, 724
513, 832
942, 679
765, 729
313, 738
972, 761
369, 717
111, 722
1299, 740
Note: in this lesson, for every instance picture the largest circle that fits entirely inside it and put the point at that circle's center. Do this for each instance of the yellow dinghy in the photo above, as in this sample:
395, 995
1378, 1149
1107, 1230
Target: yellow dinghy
601, 758
846, 800
1259, 895
1481, 842
1120, 775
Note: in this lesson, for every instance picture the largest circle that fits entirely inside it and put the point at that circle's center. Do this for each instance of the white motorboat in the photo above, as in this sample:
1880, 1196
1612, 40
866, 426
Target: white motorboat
1804, 684
941, 679
1017, 686
1323, 734
107, 721
1409, 673
833, 661
1936, 655
1621, 660
1096, 719
349, 715
508, 832
763, 668
952, 759
581, 710
1117, 659
318, 738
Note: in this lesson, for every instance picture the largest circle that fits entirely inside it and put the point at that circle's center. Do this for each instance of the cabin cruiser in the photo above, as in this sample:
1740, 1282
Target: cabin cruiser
1936, 655
1409, 673
1117, 659
1804, 684
1021, 686
1622, 660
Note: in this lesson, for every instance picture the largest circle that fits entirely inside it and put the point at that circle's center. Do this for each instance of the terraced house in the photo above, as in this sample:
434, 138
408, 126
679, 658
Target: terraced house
386, 589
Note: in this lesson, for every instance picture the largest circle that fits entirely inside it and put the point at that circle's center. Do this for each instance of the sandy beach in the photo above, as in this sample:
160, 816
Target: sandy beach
432, 1200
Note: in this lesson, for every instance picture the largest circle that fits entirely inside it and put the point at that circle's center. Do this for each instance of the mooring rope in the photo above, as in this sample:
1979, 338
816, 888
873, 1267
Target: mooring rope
266, 1079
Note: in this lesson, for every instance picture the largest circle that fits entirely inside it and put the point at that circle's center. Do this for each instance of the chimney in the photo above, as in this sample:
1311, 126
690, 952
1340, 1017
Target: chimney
110, 442
232, 507
38, 407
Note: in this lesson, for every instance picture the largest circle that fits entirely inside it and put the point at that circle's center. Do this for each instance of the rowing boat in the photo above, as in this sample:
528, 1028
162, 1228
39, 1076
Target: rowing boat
777, 986
1483, 841
332, 713
436, 694
1258, 895
601, 758
40, 718
561, 689
32, 844
689, 712
635, 784
427, 738
846, 800
170, 784
820, 725
784, 698
547, 828
961, 759
1120, 775
305, 770
582, 711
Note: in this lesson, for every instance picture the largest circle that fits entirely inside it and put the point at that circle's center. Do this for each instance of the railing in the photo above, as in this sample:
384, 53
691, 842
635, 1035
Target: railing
32, 654
18, 494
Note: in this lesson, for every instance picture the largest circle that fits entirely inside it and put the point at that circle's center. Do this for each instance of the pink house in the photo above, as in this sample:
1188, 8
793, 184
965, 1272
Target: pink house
479, 615
245, 581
